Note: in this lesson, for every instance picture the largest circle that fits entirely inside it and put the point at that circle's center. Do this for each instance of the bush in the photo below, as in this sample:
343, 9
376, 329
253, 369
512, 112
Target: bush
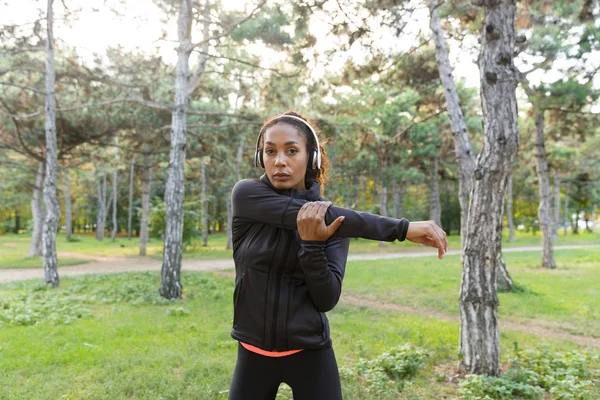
158, 221
388, 372
532, 374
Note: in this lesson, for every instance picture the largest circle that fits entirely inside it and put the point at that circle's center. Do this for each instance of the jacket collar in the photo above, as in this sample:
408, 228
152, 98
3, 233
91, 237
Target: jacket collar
313, 193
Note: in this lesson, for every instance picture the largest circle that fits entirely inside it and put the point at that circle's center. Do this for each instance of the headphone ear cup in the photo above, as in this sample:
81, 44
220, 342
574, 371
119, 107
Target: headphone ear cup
315, 160
258, 160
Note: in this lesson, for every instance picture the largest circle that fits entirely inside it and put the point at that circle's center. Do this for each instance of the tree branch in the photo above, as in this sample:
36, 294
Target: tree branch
23, 87
252, 65
231, 27
409, 127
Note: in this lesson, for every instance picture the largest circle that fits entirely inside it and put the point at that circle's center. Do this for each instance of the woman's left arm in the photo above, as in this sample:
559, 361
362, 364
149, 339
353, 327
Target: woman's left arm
324, 264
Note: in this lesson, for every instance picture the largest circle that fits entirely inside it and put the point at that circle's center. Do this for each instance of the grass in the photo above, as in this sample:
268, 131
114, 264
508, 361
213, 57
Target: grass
566, 295
131, 344
14, 248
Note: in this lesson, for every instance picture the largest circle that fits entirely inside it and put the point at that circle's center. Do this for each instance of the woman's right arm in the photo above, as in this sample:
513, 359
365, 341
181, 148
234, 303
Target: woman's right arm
255, 201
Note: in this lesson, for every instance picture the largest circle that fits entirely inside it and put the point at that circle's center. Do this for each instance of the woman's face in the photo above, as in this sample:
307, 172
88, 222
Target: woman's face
285, 156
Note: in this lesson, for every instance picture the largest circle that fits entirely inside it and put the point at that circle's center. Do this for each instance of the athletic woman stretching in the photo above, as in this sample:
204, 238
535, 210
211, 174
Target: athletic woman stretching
290, 249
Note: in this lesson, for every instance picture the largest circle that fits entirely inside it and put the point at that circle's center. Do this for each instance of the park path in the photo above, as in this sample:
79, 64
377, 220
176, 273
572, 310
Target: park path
106, 265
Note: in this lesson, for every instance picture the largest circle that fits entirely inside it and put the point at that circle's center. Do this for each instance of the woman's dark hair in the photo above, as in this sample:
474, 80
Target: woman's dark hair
321, 175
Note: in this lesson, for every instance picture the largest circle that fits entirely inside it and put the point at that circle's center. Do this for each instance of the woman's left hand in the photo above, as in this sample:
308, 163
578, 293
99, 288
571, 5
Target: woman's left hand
311, 221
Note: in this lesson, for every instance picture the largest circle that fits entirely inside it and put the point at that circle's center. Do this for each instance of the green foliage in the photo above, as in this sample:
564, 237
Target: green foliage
158, 220
39, 305
532, 374
388, 372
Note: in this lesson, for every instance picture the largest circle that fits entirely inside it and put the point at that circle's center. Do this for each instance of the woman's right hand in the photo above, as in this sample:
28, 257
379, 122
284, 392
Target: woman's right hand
429, 234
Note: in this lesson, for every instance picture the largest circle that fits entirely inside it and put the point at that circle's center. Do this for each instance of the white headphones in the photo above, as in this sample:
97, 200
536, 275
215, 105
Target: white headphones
314, 157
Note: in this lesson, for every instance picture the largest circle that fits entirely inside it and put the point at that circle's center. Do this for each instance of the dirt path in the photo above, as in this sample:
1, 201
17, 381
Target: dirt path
106, 265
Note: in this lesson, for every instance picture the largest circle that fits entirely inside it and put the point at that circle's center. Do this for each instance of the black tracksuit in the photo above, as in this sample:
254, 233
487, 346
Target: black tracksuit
284, 285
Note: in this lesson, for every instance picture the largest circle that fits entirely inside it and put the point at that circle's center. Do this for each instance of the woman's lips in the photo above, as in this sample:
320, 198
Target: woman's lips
281, 177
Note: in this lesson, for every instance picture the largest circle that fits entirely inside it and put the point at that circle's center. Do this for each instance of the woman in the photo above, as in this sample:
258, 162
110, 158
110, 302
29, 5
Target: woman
290, 249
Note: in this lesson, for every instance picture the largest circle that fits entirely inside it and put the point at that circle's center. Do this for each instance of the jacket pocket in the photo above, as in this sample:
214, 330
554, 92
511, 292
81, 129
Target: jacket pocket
249, 314
236, 298
306, 327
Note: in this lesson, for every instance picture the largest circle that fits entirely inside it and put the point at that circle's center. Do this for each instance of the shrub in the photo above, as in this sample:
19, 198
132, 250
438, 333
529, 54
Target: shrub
388, 372
533, 374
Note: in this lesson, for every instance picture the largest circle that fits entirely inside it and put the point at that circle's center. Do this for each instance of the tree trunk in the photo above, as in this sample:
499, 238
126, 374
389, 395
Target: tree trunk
556, 205
503, 279
17, 222
130, 206
146, 188
435, 208
479, 335
545, 207
566, 213
204, 203
68, 208
170, 285
362, 194
37, 213
509, 210
465, 159
236, 177
102, 208
49, 259
397, 199
114, 194
229, 221
593, 218
383, 206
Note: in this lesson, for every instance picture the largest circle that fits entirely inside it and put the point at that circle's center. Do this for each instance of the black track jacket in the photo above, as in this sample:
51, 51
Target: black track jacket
284, 285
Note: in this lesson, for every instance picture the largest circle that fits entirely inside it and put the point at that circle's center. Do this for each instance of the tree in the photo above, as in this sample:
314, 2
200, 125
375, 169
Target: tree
479, 335
49, 260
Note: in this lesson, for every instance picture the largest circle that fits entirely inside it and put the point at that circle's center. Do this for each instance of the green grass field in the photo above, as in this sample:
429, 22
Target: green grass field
113, 337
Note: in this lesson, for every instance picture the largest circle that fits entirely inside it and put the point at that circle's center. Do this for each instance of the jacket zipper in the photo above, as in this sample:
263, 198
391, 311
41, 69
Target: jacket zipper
279, 275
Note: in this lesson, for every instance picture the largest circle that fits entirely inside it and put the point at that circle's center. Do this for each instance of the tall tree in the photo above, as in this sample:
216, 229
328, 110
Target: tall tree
465, 158
49, 260
479, 335
37, 212
114, 193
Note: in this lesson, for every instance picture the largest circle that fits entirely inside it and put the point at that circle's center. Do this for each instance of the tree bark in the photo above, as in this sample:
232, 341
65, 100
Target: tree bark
503, 279
556, 205
68, 208
102, 207
509, 210
479, 335
545, 207
229, 221
397, 194
114, 194
383, 206
49, 260
204, 203
566, 213
435, 208
236, 177
146, 188
130, 206
37, 213
465, 158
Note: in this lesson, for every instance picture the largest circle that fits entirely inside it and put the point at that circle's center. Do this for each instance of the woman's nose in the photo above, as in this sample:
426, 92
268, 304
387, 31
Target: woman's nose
280, 159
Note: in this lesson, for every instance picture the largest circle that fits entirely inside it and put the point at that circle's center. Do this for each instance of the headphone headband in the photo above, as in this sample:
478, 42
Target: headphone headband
316, 162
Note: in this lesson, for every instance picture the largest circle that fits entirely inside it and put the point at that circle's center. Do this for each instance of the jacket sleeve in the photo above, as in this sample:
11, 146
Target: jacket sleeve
324, 264
257, 202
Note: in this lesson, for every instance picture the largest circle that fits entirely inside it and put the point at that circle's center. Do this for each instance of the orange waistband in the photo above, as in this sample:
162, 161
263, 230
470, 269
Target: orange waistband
262, 352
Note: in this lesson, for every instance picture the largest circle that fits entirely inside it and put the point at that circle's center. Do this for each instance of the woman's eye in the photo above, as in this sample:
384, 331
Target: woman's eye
269, 151
293, 151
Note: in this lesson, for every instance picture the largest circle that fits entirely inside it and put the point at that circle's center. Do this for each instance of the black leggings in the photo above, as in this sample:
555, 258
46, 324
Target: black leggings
312, 375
